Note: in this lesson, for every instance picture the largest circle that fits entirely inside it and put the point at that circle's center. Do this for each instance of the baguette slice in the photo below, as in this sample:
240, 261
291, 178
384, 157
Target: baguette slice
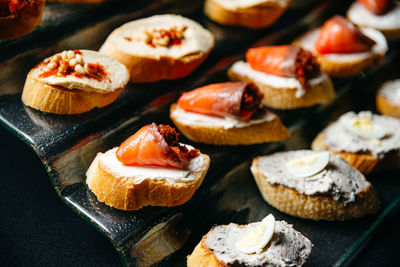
270, 130
388, 23
367, 141
313, 206
249, 13
364, 162
280, 96
218, 247
74, 93
125, 188
149, 61
22, 22
388, 99
345, 65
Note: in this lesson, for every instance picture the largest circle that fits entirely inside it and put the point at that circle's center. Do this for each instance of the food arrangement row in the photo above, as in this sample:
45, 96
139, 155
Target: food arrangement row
153, 168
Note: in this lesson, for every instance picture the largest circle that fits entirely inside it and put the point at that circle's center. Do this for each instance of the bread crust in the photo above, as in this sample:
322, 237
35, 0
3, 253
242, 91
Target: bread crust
285, 98
256, 17
290, 201
346, 69
385, 107
23, 22
364, 162
269, 131
203, 257
59, 100
122, 193
146, 69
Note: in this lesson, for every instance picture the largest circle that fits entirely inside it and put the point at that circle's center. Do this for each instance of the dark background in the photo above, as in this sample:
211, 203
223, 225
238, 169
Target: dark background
38, 229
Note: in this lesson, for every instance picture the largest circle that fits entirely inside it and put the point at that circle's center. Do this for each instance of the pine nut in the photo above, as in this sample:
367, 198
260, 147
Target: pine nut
79, 69
63, 68
73, 62
79, 59
70, 54
52, 65
64, 54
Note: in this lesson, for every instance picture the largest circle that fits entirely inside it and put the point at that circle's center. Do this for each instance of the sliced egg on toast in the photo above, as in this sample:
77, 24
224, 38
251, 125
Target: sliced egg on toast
308, 165
258, 237
364, 128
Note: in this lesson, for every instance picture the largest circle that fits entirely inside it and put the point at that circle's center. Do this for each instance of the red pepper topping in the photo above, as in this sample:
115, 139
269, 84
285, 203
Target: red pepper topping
9, 7
224, 100
284, 60
155, 145
378, 7
338, 35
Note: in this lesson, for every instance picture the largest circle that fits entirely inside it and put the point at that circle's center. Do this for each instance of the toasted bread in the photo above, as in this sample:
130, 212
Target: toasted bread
132, 192
251, 14
147, 60
315, 207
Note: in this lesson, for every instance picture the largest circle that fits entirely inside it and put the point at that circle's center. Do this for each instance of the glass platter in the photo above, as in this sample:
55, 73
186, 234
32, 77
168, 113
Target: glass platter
165, 236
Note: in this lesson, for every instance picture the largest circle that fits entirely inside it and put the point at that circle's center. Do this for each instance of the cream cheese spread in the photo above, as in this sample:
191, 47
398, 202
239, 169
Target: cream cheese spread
287, 247
391, 91
137, 174
359, 15
340, 139
307, 42
241, 4
130, 38
191, 118
339, 180
116, 75
275, 81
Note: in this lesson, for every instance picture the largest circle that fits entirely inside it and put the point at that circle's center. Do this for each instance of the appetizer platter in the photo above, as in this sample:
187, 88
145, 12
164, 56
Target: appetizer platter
90, 127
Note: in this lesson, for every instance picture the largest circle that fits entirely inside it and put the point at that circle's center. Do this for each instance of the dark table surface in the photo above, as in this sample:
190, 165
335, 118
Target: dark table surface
38, 229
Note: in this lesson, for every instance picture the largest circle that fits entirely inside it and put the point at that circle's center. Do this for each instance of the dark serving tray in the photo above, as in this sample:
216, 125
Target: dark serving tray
164, 236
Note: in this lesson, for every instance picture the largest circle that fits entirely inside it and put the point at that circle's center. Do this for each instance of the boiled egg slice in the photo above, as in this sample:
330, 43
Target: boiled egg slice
308, 165
258, 237
364, 128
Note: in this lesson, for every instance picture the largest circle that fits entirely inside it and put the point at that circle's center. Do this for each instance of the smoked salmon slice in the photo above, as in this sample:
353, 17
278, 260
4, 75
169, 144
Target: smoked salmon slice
155, 145
283, 60
377, 7
229, 99
339, 35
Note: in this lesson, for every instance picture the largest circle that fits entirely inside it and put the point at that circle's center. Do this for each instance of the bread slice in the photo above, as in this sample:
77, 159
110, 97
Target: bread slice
113, 183
148, 62
388, 23
217, 248
270, 130
22, 22
364, 162
385, 107
279, 96
314, 207
73, 94
388, 99
345, 65
252, 14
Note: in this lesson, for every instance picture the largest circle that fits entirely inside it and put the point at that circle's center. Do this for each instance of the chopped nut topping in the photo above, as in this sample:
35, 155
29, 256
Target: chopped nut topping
166, 38
71, 62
